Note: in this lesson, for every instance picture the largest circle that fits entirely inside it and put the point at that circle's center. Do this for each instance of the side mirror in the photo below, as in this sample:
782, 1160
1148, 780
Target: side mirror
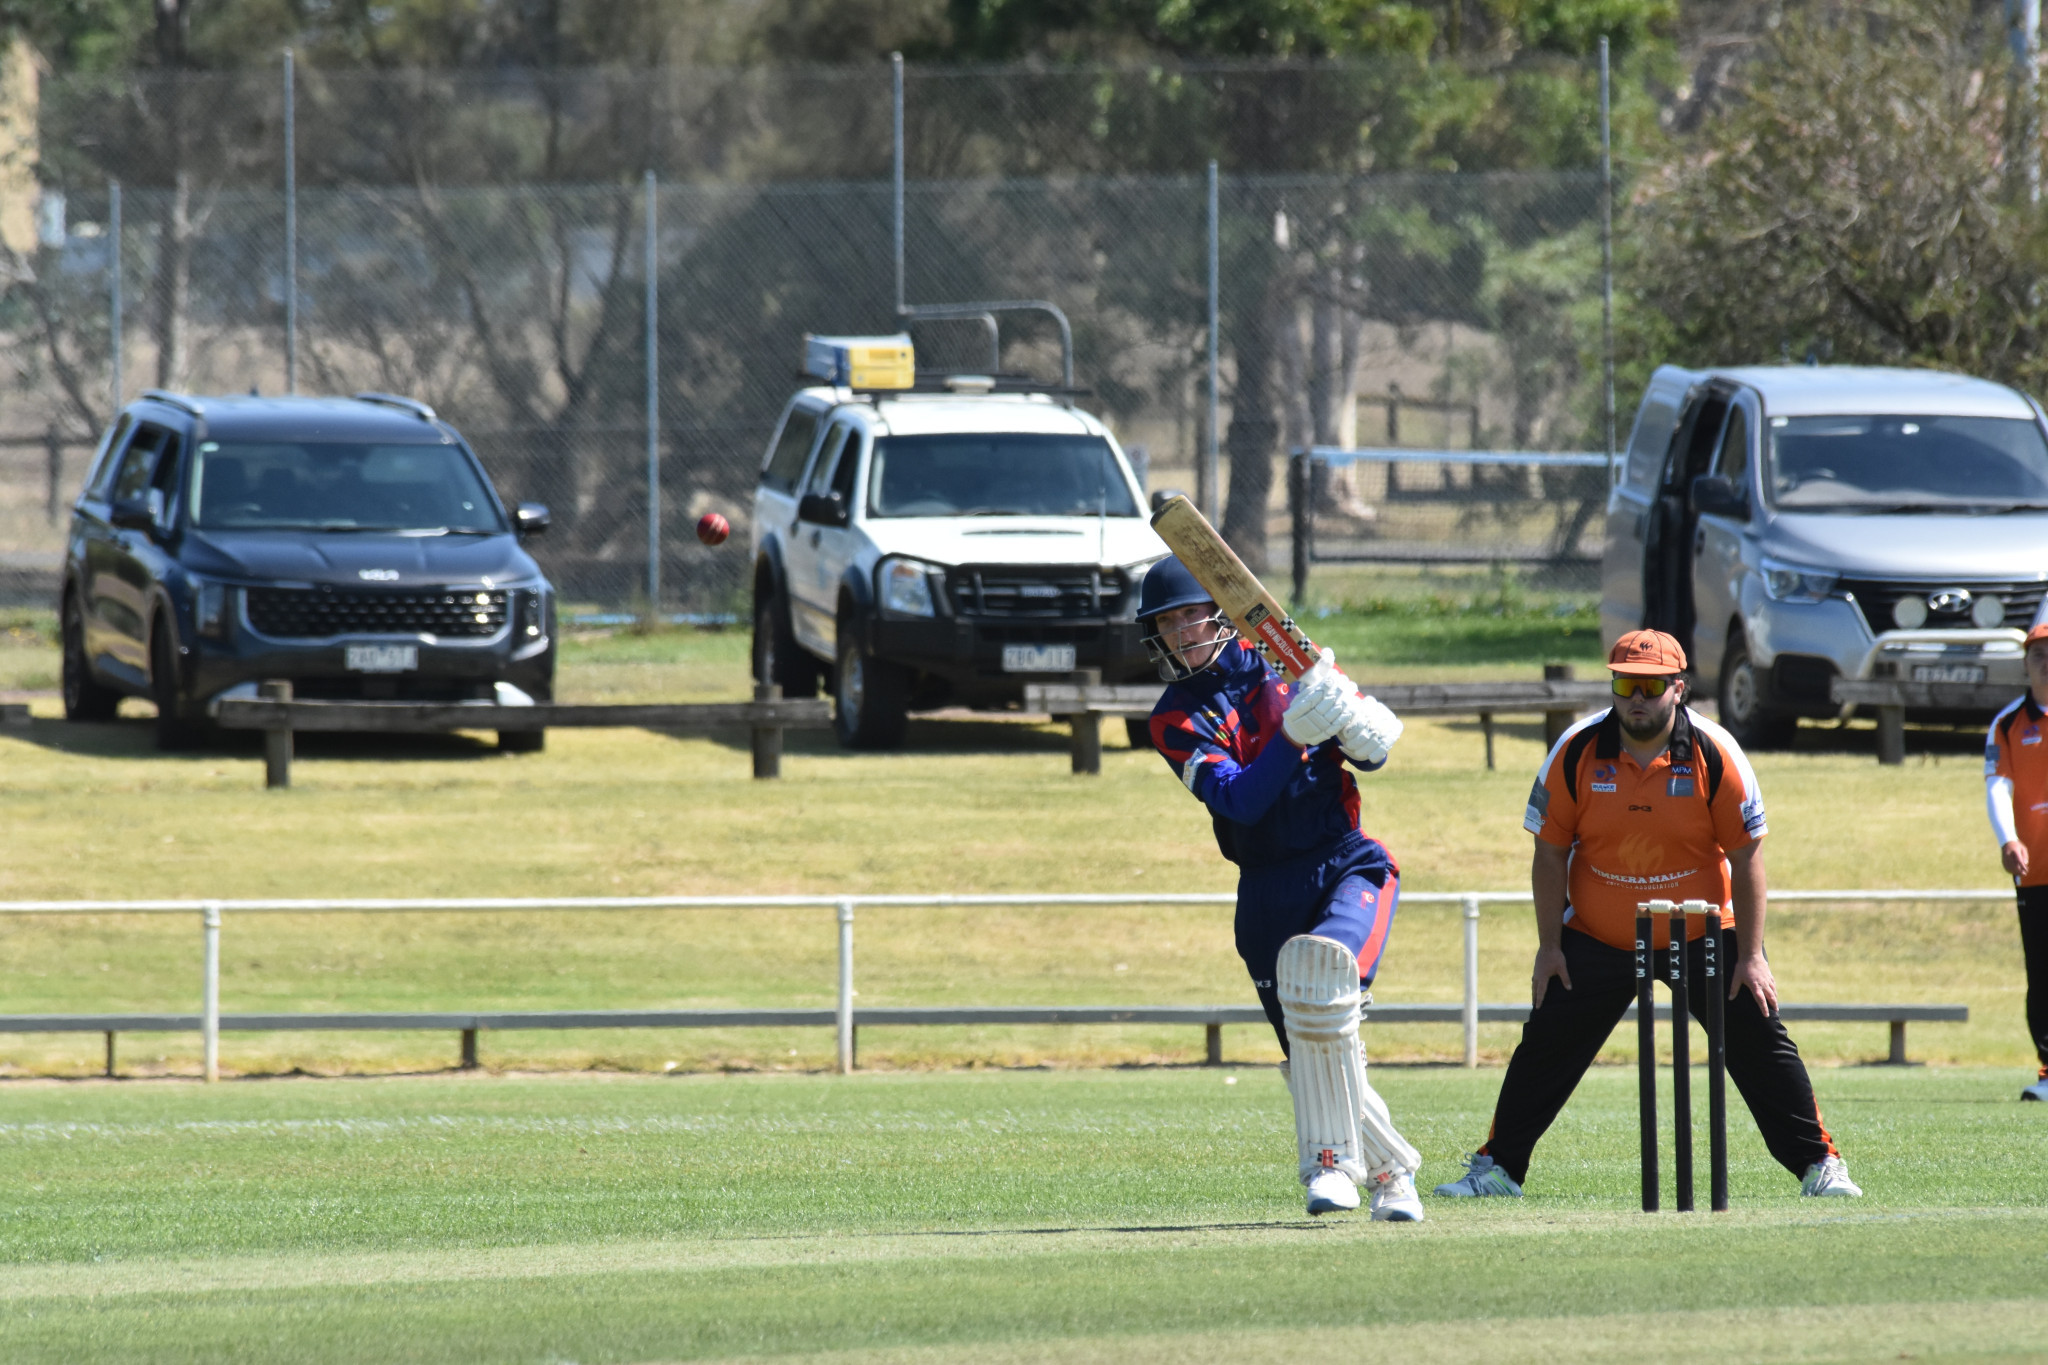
138, 514
1160, 496
531, 518
823, 509
1717, 495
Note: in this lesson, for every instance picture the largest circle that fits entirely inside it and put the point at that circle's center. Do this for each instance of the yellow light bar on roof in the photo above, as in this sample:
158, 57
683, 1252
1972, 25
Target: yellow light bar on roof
862, 362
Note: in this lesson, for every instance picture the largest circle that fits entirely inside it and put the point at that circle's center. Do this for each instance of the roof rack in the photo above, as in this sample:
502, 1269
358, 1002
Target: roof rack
176, 400
393, 400
984, 312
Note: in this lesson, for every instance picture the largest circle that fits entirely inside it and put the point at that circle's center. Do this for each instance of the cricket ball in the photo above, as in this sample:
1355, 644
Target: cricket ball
712, 529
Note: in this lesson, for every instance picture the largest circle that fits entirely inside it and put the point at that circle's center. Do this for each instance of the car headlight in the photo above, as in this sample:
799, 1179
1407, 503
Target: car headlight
905, 586
210, 610
1795, 582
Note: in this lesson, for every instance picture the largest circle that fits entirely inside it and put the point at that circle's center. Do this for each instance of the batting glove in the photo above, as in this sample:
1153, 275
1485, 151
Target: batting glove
1368, 730
1315, 714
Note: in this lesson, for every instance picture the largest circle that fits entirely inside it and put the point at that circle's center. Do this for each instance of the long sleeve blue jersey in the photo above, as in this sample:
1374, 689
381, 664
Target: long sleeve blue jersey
1270, 800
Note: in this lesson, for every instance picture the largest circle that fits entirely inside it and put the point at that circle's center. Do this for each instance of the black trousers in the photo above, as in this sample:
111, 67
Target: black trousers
1563, 1036
2034, 946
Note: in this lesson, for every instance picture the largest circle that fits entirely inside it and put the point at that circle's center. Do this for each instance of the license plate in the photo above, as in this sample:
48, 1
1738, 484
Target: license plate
383, 658
1952, 673
1038, 658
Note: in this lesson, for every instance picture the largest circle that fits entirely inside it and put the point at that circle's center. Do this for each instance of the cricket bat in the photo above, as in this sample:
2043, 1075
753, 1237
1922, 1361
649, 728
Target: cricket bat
1237, 590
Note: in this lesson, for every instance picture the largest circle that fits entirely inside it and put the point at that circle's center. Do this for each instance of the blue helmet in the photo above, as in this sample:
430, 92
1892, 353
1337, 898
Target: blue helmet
1168, 585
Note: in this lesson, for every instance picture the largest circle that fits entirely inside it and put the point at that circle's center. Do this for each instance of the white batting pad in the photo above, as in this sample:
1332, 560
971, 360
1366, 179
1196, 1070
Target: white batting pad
1317, 980
1385, 1148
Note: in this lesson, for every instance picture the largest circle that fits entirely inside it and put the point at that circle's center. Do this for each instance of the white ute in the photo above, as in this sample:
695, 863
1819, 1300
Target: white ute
945, 545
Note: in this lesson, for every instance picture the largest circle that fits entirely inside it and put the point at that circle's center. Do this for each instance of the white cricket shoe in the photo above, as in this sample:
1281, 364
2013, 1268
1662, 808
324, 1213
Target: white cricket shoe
1481, 1179
1331, 1192
2039, 1089
1394, 1199
1830, 1179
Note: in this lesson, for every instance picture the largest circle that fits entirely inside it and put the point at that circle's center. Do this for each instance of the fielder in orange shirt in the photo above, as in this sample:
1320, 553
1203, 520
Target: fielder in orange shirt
2016, 792
1648, 800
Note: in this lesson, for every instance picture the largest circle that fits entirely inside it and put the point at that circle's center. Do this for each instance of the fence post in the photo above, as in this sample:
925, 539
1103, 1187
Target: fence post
1300, 503
209, 1018
1471, 905
1555, 723
53, 454
896, 173
651, 303
114, 294
1086, 744
845, 987
767, 738
1207, 483
277, 740
1607, 255
291, 228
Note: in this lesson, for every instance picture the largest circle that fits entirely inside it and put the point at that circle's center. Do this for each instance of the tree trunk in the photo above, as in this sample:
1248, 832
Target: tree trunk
1254, 429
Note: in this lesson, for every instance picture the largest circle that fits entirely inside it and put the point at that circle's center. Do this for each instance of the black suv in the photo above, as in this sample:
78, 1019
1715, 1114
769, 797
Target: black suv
353, 546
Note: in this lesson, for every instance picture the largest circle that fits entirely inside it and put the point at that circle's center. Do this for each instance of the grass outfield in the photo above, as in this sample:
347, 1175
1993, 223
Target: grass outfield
1126, 1216
970, 805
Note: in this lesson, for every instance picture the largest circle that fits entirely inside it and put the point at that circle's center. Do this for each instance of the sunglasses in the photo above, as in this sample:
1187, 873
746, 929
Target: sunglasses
1639, 687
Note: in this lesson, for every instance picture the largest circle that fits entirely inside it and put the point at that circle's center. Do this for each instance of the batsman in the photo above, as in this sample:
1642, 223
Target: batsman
1315, 896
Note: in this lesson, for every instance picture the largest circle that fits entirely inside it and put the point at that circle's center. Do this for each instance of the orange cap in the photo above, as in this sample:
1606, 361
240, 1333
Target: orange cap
1646, 654
2039, 632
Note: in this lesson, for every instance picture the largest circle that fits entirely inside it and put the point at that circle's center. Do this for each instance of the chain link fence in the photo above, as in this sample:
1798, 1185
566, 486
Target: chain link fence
478, 241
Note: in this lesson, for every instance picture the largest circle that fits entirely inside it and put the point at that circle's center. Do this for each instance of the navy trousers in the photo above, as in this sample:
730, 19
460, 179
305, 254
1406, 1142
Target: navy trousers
1347, 892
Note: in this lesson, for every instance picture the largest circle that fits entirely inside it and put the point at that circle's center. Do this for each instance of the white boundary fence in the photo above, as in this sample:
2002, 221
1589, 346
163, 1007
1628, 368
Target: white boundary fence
212, 913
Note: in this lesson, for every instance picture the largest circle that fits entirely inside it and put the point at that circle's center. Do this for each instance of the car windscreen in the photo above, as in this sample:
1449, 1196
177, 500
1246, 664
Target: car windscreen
338, 486
1905, 464
997, 474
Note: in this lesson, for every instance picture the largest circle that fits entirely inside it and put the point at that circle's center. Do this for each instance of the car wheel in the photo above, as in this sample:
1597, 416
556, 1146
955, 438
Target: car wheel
1744, 712
522, 741
778, 658
84, 699
873, 697
173, 731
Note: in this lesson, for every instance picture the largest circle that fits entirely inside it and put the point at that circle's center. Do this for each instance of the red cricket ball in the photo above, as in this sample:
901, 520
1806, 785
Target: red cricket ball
712, 529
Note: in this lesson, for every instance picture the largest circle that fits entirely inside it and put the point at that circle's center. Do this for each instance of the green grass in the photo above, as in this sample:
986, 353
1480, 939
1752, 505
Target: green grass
970, 805
1140, 1216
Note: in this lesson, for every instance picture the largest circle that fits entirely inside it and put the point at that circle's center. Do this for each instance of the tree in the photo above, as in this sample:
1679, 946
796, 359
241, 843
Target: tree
1852, 205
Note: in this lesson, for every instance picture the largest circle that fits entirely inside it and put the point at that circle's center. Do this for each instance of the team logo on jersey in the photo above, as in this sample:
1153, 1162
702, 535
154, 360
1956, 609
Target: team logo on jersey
1753, 816
1678, 786
1603, 778
2031, 735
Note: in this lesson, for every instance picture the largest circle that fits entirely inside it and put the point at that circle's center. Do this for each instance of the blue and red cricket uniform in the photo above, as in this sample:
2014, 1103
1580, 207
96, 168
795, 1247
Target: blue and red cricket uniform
1288, 818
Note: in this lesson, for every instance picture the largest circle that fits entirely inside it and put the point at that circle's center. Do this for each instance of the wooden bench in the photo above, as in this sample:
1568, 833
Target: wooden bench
1559, 699
1892, 698
1211, 1019
279, 717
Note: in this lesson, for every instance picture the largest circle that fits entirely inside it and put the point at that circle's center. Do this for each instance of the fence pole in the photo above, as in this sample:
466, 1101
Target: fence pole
1471, 905
53, 461
896, 169
1207, 491
114, 292
209, 1022
291, 228
1607, 254
845, 987
651, 307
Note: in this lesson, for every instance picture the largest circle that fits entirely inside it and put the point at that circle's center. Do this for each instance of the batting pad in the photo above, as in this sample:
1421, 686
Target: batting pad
1335, 1111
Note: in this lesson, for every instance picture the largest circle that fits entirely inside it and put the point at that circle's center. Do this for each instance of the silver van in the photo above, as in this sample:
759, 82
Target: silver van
1795, 524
